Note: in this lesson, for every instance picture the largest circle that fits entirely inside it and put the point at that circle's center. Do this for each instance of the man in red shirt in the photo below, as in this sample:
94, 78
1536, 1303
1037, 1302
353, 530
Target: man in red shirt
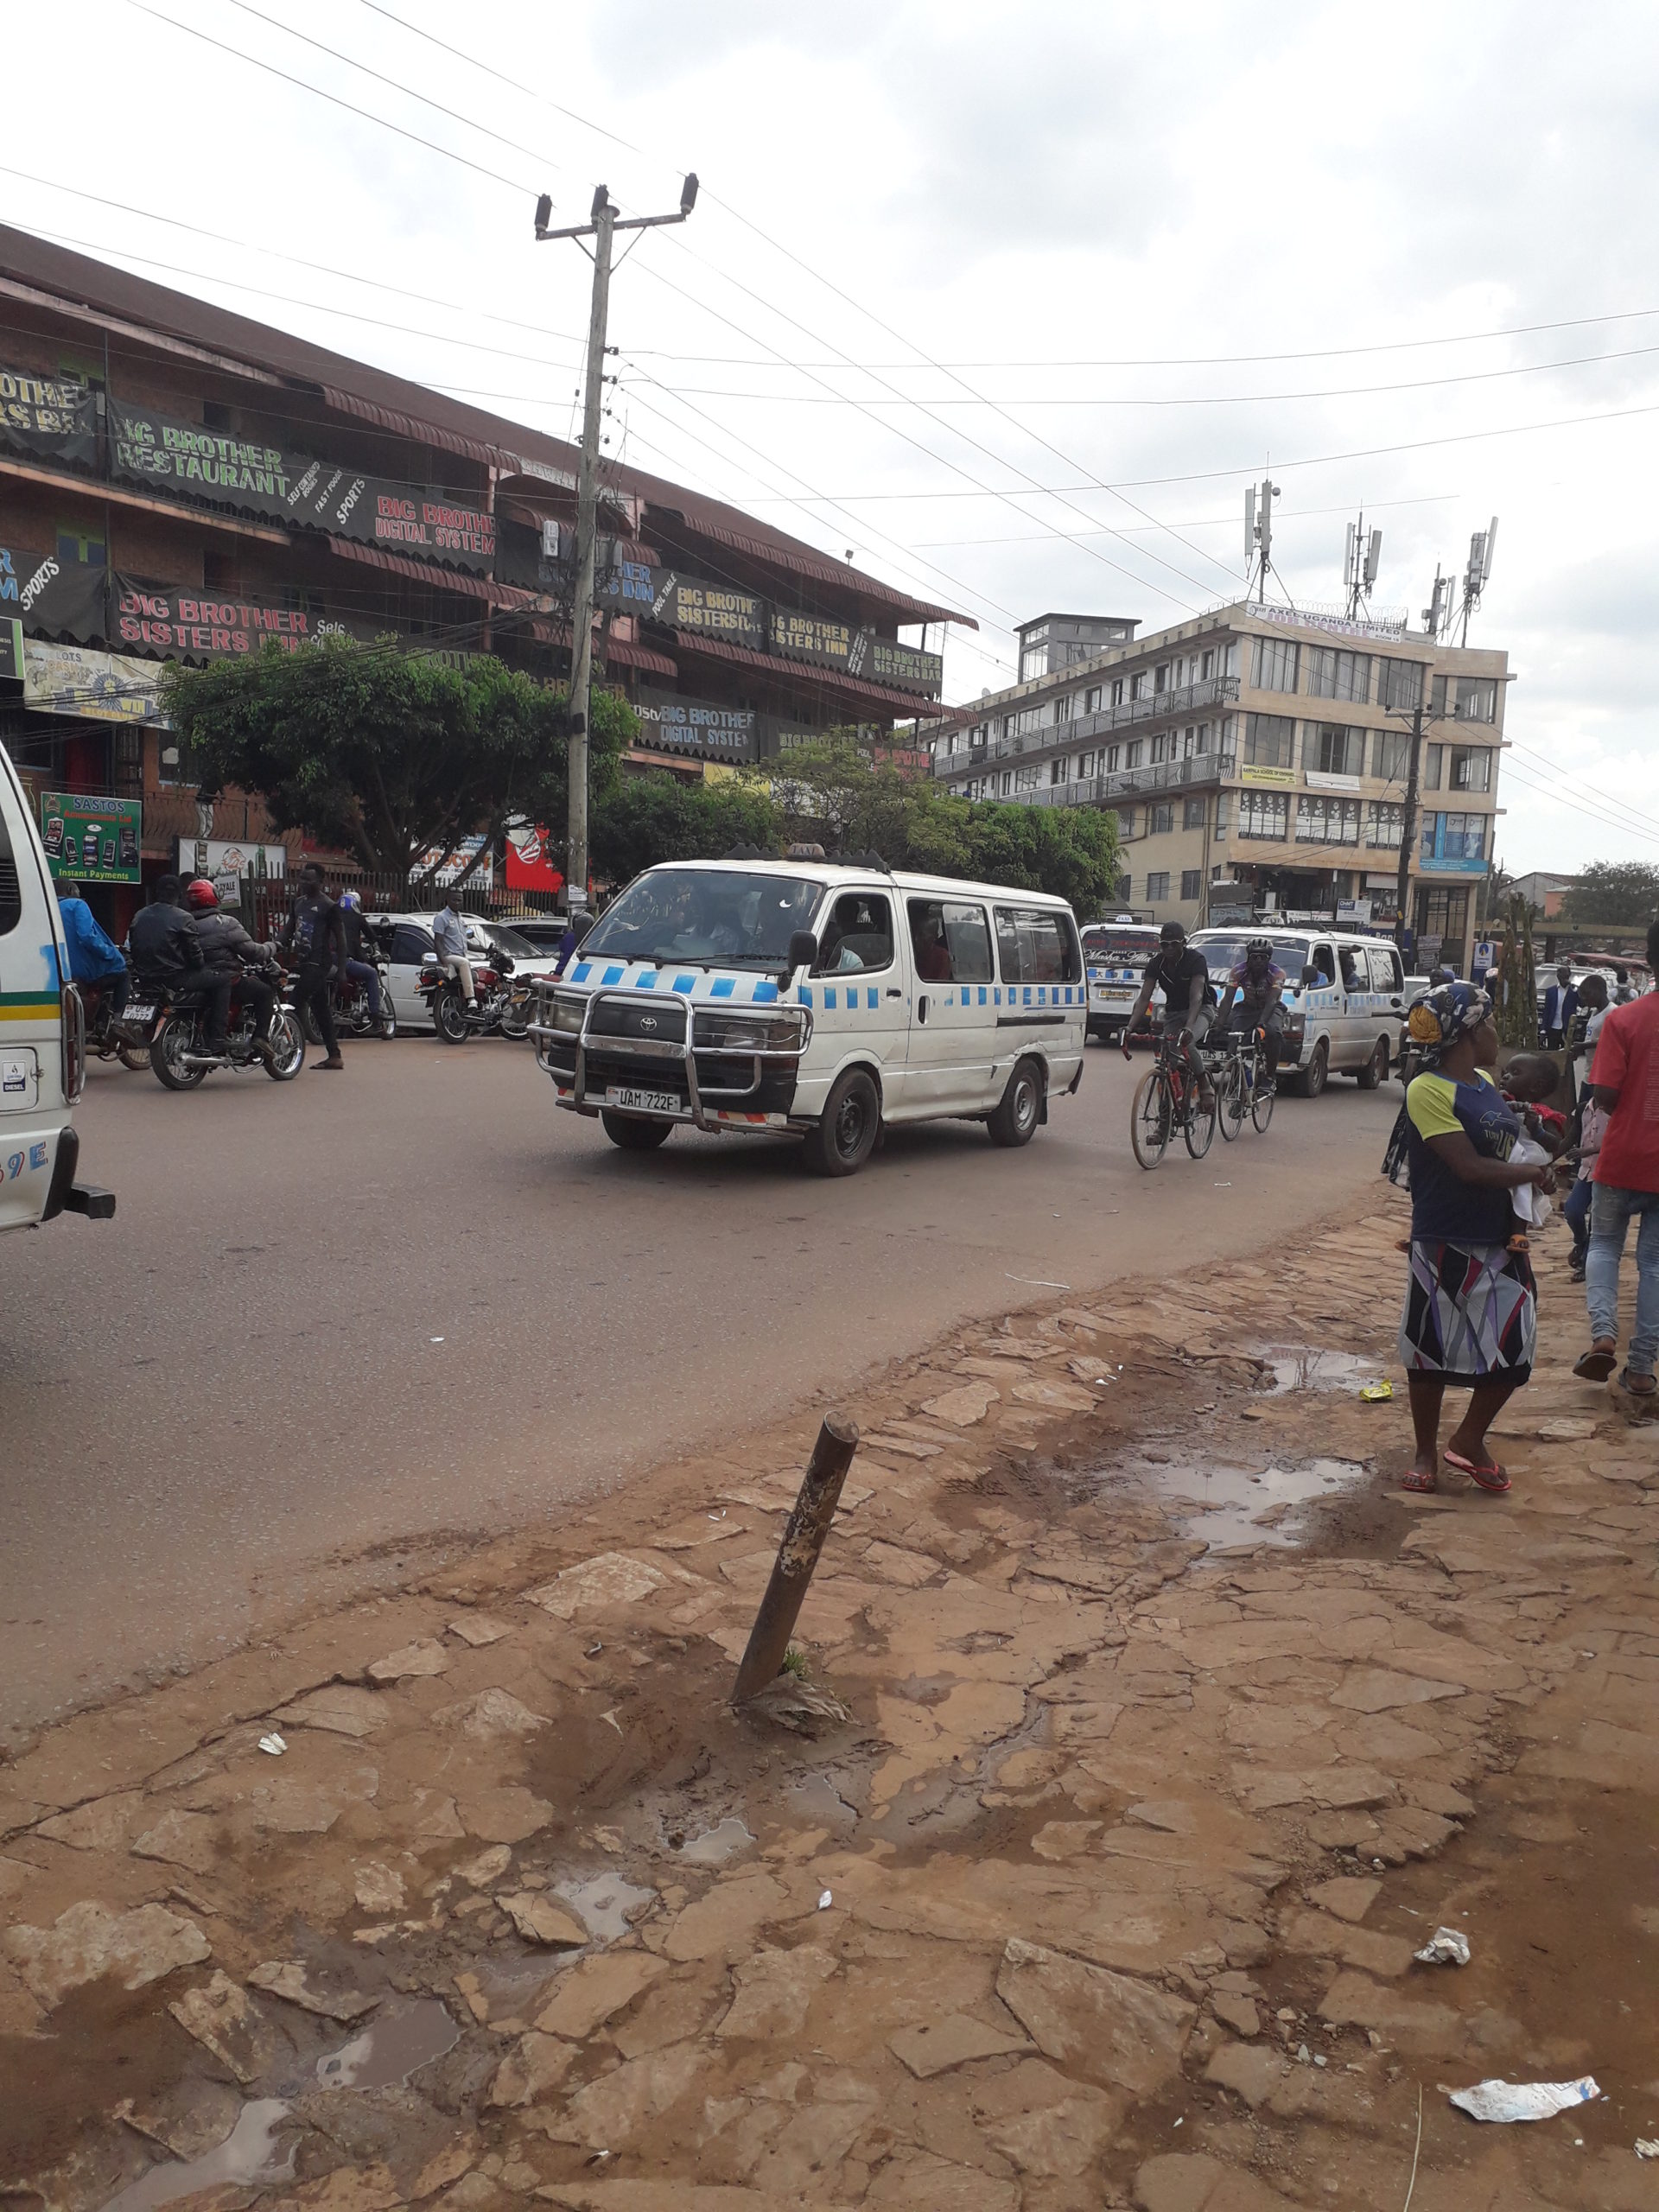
1624, 1081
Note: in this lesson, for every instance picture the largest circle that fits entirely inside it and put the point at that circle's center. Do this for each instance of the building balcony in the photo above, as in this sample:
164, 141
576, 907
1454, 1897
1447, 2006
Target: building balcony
1194, 774
1082, 729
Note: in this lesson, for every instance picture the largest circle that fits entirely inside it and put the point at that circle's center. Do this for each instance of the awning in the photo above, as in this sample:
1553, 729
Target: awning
423, 433
809, 673
618, 650
424, 572
840, 577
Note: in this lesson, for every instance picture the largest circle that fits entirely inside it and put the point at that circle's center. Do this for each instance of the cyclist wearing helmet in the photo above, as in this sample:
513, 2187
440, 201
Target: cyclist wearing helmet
1257, 982
357, 970
1185, 978
224, 946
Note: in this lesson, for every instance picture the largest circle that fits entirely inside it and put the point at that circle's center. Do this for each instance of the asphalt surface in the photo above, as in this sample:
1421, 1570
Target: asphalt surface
335, 1324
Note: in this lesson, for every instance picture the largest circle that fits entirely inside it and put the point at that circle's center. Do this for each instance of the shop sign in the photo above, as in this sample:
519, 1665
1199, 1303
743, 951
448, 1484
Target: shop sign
12, 649
706, 610
1450, 864
284, 487
530, 858
162, 620
65, 598
102, 687
55, 417
1354, 912
904, 668
92, 840
696, 726
1279, 777
811, 637
444, 865
231, 858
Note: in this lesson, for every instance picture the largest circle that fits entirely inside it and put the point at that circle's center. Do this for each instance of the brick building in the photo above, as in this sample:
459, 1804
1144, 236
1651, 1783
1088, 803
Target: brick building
179, 481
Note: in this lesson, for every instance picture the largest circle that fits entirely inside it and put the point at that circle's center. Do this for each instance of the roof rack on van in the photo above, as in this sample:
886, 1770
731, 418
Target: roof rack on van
867, 860
744, 852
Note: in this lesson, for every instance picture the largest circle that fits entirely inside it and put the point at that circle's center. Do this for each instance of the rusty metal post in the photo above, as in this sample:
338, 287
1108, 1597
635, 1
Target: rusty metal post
797, 1556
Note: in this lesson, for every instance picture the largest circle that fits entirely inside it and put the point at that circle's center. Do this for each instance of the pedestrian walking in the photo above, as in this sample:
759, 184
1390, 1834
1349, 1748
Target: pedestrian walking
1624, 1082
1561, 1004
1470, 1312
315, 940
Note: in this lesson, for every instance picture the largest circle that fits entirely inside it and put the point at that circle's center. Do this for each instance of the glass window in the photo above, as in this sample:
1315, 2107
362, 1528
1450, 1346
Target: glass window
1117, 691
1222, 799
1385, 968
1125, 821
1133, 752
1034, 944
1138, 684
1191, 882
858, 935
410, 944
1274, 664
1114, 760
1159, 819
1157, 886
1161, 678
1122, 890
1269, 741
1334, 675
1391, 750
1431, 767
1025, 779
1475, 699
1208, 665
952, 941
1193, 814
1337, 751
1323, 962
1470, 768
1386, 826
1400, 684
1263, 814
727, 915
1327, 820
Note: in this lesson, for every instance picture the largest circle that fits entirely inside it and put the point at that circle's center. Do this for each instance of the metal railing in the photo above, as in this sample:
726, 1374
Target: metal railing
1193, 773
1172, 706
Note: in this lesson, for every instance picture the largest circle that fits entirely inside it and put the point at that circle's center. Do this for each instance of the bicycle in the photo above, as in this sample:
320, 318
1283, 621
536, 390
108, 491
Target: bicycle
1167, 1099
1241, 1088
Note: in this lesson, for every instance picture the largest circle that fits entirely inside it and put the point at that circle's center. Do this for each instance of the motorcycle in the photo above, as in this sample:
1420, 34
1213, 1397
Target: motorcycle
109, 1039
454, 1018
174, 1024
353, 1014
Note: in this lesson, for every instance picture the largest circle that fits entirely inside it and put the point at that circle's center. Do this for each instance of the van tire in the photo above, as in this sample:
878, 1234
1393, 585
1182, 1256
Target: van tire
1014, 1120
1375, 1069
844, 1134
1312, 1080
632, 1134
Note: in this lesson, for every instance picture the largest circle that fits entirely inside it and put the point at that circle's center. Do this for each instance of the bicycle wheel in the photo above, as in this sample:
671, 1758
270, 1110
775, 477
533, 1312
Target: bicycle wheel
1150, 1118
1198, 1127
1231, 1103
1262, 1104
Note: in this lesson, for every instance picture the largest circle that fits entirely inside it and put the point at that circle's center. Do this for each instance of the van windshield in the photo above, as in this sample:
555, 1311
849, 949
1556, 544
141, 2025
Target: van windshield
727, 917
1123, 947
1289, 953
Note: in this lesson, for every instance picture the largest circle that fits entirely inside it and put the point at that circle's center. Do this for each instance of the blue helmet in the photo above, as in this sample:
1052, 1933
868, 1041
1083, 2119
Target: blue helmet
350, 900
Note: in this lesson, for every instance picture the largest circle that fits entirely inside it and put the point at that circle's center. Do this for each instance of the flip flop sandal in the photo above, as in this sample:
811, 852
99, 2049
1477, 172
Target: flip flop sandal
1636, 1405
1595, 1366
1412, 1481
1490, 1478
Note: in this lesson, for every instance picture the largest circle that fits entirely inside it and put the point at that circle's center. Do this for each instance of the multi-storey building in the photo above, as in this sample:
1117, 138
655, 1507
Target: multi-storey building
178, 482
1049, 643
1256, 758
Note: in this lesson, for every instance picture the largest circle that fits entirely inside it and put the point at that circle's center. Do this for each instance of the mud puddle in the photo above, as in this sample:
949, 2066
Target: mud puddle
397, 2044
1310, 1367
603, 1902
247, 2158
1228, 1508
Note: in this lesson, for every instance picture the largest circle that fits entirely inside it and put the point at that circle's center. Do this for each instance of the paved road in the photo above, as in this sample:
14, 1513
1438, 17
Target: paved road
229, 1400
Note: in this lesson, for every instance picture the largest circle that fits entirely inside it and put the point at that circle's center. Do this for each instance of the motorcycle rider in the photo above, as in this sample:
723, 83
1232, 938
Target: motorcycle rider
357, 970
450, 942
93, 958
166, 954
315, 940
227, 946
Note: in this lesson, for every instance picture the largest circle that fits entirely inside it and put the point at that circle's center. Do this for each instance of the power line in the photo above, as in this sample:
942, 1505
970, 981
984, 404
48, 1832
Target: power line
1211, 522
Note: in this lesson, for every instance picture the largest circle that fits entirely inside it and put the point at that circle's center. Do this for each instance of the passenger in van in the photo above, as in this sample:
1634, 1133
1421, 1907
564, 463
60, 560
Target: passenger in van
933, 961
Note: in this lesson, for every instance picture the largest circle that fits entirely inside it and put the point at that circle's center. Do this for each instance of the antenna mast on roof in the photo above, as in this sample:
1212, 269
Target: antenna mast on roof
1258, 536
1481, 547
1362, 555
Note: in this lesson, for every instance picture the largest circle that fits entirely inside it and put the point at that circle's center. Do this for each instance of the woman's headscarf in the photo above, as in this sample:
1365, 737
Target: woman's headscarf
1444, 1015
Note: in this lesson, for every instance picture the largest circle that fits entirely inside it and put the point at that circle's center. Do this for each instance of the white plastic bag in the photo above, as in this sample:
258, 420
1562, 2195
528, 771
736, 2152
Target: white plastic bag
1507, 2101
1530, 1205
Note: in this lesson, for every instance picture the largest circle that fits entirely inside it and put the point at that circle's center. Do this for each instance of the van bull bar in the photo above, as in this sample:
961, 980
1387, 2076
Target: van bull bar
669, 1058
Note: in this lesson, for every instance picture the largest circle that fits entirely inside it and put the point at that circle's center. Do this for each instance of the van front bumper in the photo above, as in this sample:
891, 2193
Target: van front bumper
707, 1085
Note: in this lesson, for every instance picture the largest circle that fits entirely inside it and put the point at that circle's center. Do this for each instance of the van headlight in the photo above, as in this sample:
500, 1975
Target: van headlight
568, 1013
749, 1033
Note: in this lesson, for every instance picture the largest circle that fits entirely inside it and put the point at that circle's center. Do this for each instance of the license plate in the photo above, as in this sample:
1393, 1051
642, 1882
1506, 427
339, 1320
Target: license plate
643, 1102
139, 1014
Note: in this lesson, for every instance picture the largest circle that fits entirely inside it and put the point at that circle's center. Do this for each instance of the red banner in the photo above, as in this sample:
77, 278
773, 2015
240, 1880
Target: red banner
530, 860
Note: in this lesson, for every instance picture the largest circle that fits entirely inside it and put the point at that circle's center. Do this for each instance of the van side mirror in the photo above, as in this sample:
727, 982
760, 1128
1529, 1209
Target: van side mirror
1312, 977
802, 951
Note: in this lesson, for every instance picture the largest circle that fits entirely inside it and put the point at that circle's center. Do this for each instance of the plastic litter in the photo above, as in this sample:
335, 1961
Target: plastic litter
1529, 1205
1373, 1394
1646, 2147
1508, 2101
826, 1898
273, 1744
1446, 1947
435, 1340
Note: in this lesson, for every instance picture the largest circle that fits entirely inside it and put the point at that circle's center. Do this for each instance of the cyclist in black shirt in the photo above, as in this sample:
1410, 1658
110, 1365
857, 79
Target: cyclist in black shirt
1189, 1007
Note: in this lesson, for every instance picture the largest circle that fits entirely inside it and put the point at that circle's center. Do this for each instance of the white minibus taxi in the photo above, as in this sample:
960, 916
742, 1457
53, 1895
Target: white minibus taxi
42, 1032
1116, 954
824, 998
1344, 998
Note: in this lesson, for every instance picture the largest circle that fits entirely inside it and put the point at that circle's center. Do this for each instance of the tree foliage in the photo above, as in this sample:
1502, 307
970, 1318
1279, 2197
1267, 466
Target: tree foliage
386, 753
1624, 892
644, 819
1516, 989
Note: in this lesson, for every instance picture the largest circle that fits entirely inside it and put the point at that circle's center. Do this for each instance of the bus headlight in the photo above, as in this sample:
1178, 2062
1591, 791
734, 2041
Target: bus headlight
567, 1013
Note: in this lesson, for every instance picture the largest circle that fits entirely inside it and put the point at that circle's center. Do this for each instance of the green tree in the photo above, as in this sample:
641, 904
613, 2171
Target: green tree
644, 819
1624, 892
387, 754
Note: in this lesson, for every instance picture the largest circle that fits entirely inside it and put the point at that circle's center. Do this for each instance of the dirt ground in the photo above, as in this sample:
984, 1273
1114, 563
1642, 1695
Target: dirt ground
1148, 1730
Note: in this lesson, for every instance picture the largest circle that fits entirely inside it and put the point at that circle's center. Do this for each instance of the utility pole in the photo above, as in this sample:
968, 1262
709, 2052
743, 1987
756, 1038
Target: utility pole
602, 225
1408, 828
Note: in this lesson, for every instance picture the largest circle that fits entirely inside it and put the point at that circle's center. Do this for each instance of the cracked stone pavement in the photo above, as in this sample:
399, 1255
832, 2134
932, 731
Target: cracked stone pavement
1174, 1730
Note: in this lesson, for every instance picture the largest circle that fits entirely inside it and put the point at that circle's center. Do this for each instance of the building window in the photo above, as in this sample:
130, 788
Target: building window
1025, 779
1007, 782
1133, 752
1333, 675
1057, 769
174, 764
1337, 751
1400, 685
1138, 684
1159, 820
1125, 821
1269, 741
1091, 701
1157, 886
1202, 745
1465, 698
1222, 799
1432, 757
1160, 749
1122, 890
1207, 665
1117, 691
1193, 814
1274, 662
1469, 768
1161, 678
1385, 825
1112, 756
1321, 821
1391, 752
1264, 814
1191, 883
1064, 708
85, 547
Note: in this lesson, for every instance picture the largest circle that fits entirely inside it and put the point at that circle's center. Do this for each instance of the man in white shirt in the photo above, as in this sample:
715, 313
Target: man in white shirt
450, 942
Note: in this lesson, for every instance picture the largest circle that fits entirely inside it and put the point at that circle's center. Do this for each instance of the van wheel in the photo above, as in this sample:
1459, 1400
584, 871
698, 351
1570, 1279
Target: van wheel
1312, 1080
1015, 1121
635, 1135
844, 1134
1375, 1069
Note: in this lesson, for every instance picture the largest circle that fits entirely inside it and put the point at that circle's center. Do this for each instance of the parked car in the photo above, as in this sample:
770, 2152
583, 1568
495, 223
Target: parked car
545, 932
1344, 996
412, 949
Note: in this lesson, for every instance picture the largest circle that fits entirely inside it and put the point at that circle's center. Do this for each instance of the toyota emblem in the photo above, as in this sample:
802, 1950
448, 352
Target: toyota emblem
648, 1021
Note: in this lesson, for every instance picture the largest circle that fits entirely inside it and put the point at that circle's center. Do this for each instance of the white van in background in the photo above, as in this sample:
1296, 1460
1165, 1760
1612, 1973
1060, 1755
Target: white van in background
42, 1032
1116, 954
1343, 999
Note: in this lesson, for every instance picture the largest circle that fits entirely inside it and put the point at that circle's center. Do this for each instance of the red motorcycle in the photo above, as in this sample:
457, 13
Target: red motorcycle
453, 1017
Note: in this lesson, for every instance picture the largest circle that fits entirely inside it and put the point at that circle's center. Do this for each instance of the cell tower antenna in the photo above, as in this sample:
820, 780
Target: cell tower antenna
1438, 613
1481, 548
1362, 555
1258, 535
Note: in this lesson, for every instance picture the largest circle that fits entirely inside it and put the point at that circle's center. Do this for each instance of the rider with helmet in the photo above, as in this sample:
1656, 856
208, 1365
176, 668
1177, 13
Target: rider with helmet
357, 970
1258, 983
1184, 975
226, 945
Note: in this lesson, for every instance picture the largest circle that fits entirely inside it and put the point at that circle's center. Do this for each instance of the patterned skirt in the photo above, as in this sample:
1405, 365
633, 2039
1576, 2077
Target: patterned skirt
1470, 1311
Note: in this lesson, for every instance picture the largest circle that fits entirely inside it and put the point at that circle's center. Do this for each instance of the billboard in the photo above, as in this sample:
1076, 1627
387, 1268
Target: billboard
530, 863
91, 839
53, 417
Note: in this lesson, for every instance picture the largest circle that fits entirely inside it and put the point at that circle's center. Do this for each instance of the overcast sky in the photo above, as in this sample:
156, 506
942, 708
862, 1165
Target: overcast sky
957, 270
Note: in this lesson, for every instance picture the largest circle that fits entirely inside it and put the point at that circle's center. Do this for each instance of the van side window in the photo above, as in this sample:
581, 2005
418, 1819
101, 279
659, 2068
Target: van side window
952, 941
1036, 945
1355, 975
1322, 961
1385, 969
859, 934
